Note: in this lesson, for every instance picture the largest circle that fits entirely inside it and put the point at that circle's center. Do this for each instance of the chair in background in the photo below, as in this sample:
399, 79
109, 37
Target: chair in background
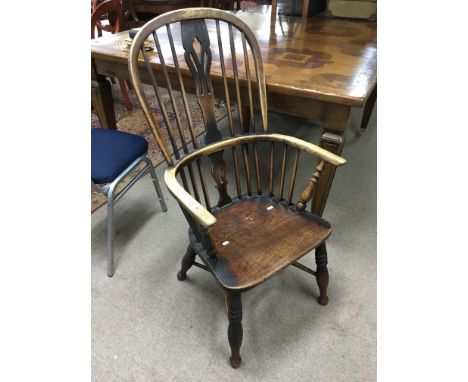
157, 7
112, 8
254, 230
114, 155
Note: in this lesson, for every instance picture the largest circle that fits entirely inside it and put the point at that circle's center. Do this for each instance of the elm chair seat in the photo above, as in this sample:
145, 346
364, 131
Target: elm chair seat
112, 152
114, 155
258, 220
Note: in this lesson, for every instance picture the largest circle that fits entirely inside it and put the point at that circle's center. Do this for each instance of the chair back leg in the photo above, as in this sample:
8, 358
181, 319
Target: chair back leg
156, 184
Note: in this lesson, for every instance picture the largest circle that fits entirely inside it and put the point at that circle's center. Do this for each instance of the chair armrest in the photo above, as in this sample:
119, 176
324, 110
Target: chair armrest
308, 147
195, 209
200, 213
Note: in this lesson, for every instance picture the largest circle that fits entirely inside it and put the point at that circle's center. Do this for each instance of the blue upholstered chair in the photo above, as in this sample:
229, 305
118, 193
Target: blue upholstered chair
114, 154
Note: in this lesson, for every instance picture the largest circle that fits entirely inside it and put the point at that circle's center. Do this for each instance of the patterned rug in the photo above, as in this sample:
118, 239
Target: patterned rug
134, 122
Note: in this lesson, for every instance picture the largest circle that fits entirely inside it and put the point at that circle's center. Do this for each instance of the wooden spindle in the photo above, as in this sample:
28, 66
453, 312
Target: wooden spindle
257, 169
247, 168
307, 194
183, 177
203, 182
160, 103
293, 176
176, 113
193, 180
272, 163
236, 79
165, 116
236, 171
226, 88
251, 128
170, 92
283, 172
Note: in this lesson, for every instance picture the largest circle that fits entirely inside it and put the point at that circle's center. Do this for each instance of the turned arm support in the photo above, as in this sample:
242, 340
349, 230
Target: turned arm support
307, 193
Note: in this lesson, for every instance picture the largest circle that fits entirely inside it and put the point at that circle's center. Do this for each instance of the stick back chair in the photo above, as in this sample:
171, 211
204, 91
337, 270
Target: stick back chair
115, 8
255, 229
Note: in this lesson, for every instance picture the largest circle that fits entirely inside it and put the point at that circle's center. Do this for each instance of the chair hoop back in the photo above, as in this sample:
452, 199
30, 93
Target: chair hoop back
186, 62
106, 7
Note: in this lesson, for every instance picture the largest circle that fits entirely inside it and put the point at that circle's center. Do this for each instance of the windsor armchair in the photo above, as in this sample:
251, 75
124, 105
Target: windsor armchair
255, 229
109, 7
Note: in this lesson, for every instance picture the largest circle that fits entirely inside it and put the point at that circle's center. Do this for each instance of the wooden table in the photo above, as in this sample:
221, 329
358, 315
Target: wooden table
315, 68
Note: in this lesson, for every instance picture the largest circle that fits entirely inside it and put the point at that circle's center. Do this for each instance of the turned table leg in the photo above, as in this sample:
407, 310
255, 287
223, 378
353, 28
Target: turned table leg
101, 97
234, 304
369, 106
335, 122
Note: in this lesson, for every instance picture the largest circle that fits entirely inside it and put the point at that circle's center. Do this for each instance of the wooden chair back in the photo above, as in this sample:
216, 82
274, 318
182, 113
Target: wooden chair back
101, 8
201, 35
187, 42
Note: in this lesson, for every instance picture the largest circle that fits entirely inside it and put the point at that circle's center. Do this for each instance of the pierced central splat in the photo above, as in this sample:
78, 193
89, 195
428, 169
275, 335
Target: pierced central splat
195, 31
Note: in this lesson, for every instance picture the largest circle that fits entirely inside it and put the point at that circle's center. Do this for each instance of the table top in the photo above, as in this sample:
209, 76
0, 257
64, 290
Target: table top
332, 60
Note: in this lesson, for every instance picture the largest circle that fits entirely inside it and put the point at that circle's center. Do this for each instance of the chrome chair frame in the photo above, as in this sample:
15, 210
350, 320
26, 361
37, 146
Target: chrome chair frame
109, 189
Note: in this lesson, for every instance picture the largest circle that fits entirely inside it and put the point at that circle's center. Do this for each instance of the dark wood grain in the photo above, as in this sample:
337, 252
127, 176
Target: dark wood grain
262, 241
235, 331
322, 272
187, 262
367, 112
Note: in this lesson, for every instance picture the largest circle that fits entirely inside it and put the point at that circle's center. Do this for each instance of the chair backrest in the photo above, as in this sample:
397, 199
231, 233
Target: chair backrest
212, 50
102, 8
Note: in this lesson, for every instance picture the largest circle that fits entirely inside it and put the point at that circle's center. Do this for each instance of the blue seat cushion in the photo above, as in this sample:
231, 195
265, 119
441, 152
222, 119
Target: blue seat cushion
112, 152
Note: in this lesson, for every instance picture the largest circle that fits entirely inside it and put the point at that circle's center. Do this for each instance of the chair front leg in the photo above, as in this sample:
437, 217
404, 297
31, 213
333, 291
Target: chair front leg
322, 273
187, 262
235, 332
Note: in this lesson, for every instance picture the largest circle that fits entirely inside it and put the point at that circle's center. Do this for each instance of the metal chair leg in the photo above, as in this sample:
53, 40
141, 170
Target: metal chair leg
110, 233
156, 184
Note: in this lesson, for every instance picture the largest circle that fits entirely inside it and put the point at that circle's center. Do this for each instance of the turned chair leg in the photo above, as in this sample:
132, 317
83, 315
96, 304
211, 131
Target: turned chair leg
187, 262
234, 306
322, 273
